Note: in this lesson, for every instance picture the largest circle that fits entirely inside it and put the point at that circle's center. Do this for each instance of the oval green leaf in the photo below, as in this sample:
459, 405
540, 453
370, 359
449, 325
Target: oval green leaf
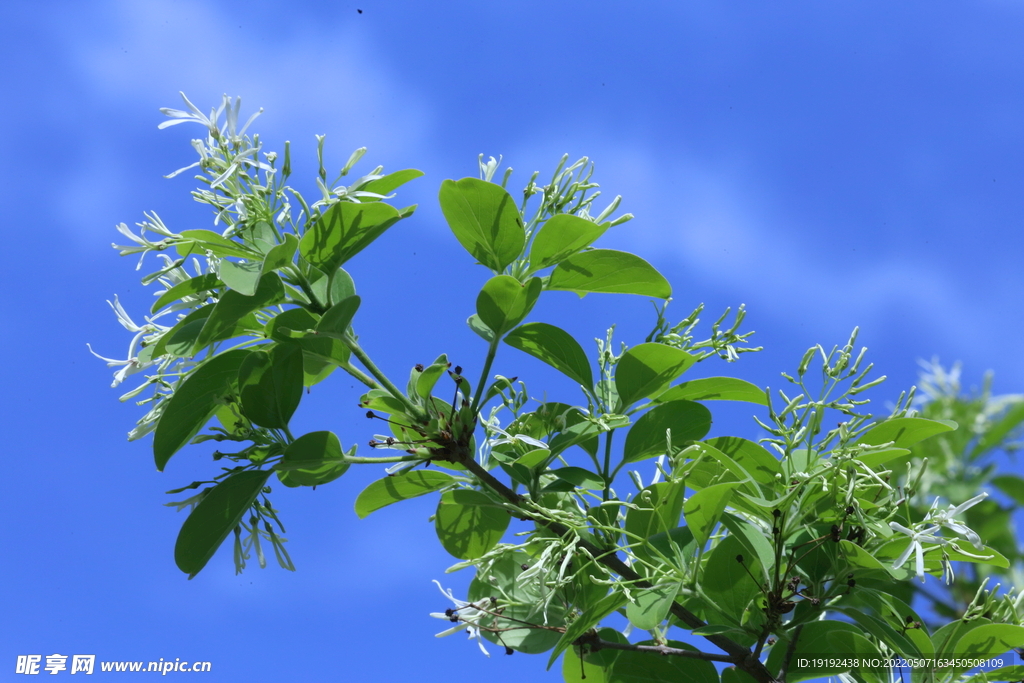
312, 459
190, 287
554, 346
214, 518
504, 301
704, 508
469, 531
715, 389
233, 307
689, 421
562, 236
646, 369
343, 231
905, 431
642, 667
609, 271
270, 385
338, 317
485, 220
753, 458
393, 489
194, 402
651, 606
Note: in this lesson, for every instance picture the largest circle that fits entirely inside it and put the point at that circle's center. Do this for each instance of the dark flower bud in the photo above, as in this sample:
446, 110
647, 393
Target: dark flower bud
508, 650
776, 514
419, 367
739, 558
458, 369
370, 415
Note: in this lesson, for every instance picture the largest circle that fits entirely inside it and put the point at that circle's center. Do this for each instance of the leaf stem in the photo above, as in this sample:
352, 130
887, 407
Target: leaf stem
492, 351
414, 410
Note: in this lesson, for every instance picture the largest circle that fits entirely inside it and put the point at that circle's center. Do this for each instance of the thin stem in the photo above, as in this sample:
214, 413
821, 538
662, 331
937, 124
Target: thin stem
360, 375
359, 460
492, 351
414, 410
606, 471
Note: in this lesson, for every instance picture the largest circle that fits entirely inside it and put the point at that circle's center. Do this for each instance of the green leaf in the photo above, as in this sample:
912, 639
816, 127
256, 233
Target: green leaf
704, 508
388, 183
312, 459
608, 271
282, 254
753, 458
562, 236
646, 369
868, 567
726, 581
1011, 485
428, 378
577, 476
881, 630
874, 459
817, 640
586, 621
214, 518
688, 421
343, 231
320, 353
643, 667
994, 435
658, 508
400, 487
241, 277
651, 606
341, 286
477, 325
270, 384
905, 431
190, 287
576, 670
715, 389
1005, 673
179, 340
554, 346
207, 240
731, 674
244, 278
485, 220
988, 641
194, 402
469, 529
753, 540
504, 302
519, 599
338, 317
233, 307
677, 544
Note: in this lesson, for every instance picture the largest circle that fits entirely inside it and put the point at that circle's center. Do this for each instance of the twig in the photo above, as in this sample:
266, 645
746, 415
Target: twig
790, 649
738, 655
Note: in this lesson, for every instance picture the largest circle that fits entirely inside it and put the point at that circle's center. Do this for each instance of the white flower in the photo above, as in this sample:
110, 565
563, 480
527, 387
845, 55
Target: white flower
465, 615
915, 546
131, 365
193, 114
945, 518
509, 438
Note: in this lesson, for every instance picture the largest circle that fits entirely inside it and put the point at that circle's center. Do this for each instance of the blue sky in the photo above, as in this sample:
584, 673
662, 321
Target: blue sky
830, 165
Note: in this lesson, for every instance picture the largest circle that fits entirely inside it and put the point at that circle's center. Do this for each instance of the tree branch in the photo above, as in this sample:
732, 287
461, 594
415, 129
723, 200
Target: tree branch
739, 655
597, 643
